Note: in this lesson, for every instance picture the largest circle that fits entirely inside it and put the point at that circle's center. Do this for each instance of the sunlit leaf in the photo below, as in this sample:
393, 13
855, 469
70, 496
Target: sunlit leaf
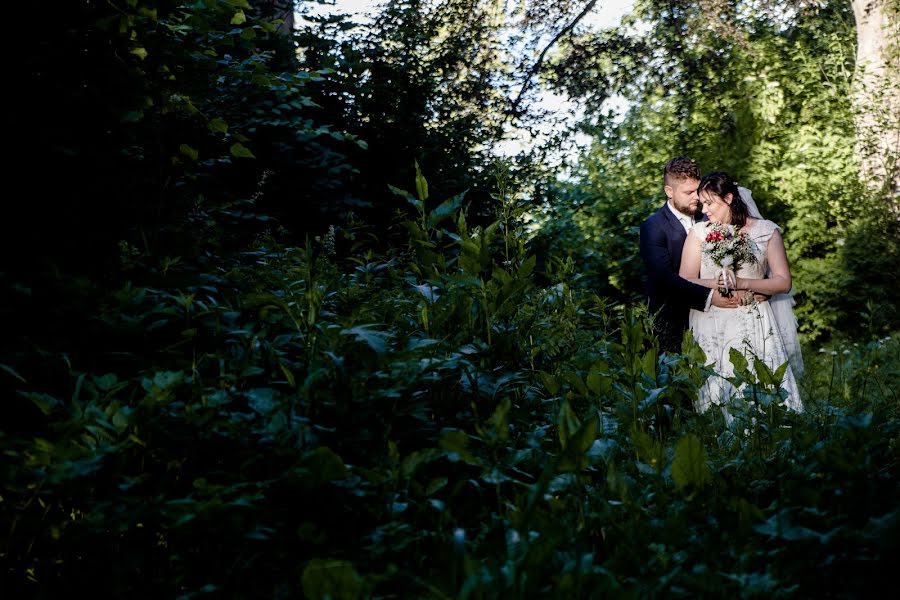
421, 183
238, 150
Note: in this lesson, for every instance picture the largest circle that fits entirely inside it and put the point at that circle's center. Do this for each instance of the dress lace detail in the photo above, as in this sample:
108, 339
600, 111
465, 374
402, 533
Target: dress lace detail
752, 330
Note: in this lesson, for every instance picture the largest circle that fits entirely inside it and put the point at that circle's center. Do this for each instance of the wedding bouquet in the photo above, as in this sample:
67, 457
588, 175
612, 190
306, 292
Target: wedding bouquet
728, 249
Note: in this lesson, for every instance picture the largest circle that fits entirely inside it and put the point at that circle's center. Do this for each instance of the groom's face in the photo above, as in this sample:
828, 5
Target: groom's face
682, 194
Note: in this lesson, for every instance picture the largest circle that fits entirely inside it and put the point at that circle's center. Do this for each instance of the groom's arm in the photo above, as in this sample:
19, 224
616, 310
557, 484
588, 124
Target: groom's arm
661, 269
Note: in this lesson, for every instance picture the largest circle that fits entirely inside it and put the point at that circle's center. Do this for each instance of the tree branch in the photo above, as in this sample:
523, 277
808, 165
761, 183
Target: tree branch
537, 65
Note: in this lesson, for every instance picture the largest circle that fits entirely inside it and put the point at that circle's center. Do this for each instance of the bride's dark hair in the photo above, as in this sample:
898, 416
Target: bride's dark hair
721, 184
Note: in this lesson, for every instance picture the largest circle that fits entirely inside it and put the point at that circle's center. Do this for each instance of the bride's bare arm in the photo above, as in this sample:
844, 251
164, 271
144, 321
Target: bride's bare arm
690, 262
779, 280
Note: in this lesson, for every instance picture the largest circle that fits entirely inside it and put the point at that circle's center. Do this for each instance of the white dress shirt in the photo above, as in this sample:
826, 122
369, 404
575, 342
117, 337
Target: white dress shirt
686, 221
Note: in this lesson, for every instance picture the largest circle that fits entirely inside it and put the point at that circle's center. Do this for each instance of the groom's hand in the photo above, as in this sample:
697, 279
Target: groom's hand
721, 301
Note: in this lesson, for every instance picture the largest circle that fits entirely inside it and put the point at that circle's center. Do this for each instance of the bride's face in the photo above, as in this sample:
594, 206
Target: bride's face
717, 208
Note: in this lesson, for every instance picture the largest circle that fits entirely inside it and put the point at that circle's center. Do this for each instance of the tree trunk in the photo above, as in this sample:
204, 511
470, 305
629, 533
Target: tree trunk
876, 94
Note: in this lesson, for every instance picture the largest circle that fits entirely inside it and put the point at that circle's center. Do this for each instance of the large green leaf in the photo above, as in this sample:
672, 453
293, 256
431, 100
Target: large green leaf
689, 467
445, 209
739, 361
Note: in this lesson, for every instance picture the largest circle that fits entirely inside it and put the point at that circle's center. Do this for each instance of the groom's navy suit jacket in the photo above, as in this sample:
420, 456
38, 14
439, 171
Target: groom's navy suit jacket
662, 238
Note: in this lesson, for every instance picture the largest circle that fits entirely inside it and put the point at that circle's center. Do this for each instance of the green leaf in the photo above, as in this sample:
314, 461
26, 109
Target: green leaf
567, 423
780, 526
45, 402
106, 382
763, 372
12, 372
689, 467
500, 419
377, 340
324, 465
417, 459
576, 382
549, 382
598, 379
647, 448
446, 209
325, 579
288, 375
238, 150
574, 457
648, 363
435, 485
217, 125
238, 18
652, 398
421, 183
139, 52
779, 373
408, 197
527, 267
189, 152
262, 400
132, 116
454, 443
738, 360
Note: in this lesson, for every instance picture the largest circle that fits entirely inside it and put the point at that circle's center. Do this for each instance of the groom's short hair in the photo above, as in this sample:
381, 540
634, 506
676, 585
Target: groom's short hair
679, 169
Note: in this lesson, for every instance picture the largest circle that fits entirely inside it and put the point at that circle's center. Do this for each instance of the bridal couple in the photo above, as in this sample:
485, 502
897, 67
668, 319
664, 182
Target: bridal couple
747, 307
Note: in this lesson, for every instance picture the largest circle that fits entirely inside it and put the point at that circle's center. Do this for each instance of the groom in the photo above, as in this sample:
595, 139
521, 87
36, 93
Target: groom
662, 237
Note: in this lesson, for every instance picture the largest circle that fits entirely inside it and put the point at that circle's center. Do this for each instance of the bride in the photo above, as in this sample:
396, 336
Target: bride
754, 329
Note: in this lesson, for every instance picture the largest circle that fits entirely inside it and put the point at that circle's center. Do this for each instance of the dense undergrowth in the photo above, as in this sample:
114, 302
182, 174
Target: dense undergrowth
435, 421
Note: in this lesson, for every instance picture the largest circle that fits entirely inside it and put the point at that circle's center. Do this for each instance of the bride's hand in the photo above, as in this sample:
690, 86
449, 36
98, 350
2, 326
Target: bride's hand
731, 284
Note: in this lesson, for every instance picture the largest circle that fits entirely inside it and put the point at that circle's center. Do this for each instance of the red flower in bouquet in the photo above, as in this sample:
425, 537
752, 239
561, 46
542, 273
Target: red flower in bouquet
728, 249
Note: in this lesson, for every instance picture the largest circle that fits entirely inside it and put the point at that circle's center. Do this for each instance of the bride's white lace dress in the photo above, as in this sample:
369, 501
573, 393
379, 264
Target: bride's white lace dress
752, 329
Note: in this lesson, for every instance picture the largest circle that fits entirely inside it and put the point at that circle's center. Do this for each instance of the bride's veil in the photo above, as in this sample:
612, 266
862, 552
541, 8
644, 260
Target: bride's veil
782, 304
